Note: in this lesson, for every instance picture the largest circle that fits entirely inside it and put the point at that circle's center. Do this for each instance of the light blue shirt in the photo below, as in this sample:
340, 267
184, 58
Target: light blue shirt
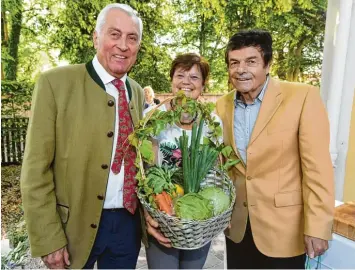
245, 116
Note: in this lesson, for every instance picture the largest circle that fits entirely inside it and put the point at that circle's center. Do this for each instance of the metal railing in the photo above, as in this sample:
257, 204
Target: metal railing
13, 137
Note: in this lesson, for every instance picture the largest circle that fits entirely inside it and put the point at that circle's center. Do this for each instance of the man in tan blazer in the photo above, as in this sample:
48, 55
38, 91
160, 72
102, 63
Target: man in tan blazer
284, 182
77, 181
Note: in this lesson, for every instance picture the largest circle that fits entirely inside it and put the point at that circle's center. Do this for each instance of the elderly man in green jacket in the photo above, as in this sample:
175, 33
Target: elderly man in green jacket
78, 175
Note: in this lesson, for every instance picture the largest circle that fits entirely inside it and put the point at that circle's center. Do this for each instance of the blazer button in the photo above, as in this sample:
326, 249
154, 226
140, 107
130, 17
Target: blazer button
104, 166
245, 204
110, 103
100, 197
109, 134
94, 226
249, 177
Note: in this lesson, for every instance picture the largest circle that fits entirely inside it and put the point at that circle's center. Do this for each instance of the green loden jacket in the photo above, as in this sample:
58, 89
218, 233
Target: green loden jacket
67, 159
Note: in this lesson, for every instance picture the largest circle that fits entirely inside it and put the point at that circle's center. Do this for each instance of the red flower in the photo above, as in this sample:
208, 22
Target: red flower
177, 153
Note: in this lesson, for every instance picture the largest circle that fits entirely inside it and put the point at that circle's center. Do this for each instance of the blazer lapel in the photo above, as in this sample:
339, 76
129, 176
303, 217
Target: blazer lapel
270, 103
230, 129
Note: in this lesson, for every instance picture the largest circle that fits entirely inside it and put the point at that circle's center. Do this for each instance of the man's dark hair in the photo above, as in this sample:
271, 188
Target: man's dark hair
261, 39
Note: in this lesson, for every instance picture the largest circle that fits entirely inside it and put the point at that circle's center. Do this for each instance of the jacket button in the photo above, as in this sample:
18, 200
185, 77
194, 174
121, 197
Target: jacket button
94, 226
104, 166
249, 177
110, 103
100, 197
245, 204
109, 134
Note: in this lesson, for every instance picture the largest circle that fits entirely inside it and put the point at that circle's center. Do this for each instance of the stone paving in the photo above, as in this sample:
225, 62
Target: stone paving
215, 259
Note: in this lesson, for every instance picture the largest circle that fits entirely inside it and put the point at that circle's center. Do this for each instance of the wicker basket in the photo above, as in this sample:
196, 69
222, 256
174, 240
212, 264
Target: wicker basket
190, 234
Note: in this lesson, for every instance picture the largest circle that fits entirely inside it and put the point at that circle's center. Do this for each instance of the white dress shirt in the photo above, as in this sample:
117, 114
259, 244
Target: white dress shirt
114, 190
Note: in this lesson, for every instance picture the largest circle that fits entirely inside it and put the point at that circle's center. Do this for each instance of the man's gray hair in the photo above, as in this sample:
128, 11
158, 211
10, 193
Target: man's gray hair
101, 19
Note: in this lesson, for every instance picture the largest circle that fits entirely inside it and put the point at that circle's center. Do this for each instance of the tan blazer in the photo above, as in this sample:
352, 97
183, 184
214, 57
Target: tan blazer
67, 159
287, 186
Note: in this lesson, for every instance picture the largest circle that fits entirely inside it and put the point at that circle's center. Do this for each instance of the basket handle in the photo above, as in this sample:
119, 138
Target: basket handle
150, 113
147, 118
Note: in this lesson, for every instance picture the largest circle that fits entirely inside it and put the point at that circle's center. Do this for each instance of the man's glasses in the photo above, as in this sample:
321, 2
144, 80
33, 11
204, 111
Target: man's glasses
192, 78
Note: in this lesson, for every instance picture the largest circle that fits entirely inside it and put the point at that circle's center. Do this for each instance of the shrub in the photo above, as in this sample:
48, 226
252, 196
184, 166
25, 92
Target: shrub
16, 97
11, 211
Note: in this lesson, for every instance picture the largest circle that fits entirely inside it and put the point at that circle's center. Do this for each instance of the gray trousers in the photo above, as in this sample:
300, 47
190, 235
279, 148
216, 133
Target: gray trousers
160, 257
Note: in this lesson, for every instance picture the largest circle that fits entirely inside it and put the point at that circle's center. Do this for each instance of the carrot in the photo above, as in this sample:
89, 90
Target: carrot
164, 202
167, 198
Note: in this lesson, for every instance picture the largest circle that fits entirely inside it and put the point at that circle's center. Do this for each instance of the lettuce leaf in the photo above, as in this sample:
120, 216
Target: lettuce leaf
217, 197
193, 206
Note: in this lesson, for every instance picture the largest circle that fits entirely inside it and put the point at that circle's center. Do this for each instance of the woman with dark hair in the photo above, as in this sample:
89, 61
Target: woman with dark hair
189, 73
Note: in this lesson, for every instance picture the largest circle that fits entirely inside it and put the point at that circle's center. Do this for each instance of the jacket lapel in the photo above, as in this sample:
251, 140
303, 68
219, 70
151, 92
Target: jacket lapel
230, 129
92, 72
132, 100
270, 103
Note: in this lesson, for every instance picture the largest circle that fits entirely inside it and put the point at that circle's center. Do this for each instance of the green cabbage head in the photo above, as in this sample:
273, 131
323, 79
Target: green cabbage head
193, 206
217, 197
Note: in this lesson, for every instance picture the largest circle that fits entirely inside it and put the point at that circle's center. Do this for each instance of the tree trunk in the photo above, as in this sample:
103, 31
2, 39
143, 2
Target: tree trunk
281, 73
13, 44
294, 70
202, 36
4, 35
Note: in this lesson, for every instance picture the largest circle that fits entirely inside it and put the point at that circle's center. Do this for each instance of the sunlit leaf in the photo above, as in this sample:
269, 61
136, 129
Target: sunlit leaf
226, 151
230, 163
146, 150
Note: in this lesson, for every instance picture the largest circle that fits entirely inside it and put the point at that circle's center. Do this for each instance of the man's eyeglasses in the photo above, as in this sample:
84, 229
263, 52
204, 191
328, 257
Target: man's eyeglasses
192, 78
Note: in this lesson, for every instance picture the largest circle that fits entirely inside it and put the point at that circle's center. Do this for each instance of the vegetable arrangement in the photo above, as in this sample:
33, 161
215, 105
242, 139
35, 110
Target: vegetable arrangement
197, 160
220, 201
193, 206
160, 186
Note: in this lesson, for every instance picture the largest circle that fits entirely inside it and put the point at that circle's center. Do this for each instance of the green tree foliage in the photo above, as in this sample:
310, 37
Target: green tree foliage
73, 27
76, 23
36, 51
13, 13
298, 50
170, 27
15, 97
23, 44
200, 26
153, 63
297, 28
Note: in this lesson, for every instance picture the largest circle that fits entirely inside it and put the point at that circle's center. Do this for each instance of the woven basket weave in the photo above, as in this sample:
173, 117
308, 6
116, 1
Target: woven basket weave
190, 234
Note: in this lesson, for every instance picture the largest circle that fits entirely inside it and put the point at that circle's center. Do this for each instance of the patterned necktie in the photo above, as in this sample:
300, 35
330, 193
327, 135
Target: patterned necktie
124, 151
